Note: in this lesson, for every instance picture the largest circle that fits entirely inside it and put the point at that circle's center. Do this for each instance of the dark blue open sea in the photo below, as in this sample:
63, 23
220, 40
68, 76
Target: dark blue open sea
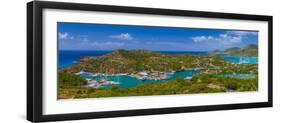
70, 57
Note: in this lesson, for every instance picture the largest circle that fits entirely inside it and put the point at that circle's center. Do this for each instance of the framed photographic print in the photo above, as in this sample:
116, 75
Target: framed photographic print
96, 61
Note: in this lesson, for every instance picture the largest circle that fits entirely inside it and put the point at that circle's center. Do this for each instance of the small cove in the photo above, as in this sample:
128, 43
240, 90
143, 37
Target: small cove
239, 59
129, 81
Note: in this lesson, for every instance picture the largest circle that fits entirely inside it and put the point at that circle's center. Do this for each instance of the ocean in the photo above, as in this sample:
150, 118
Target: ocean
70, 57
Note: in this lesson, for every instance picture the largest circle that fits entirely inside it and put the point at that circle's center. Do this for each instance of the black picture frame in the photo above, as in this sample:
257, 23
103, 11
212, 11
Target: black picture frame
35, 69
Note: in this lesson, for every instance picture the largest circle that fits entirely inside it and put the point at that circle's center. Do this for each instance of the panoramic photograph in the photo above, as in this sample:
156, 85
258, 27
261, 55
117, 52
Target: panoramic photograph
105, 60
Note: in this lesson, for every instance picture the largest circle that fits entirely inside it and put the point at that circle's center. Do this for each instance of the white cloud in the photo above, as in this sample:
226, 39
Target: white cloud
228, 38
123, 36
65, 36
222, 39
202, 38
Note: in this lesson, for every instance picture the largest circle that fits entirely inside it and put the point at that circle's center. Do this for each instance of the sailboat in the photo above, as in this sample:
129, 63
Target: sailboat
241, 60
244, 60
102, 78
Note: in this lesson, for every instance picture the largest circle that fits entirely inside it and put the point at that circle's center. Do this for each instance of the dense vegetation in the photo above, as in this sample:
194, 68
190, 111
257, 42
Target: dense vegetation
67, 80
198, 84
250, 50
122, 61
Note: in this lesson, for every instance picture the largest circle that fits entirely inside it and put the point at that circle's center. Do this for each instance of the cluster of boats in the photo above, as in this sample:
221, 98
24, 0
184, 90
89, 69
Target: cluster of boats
100, 74
143, 75
100, 83
99, 80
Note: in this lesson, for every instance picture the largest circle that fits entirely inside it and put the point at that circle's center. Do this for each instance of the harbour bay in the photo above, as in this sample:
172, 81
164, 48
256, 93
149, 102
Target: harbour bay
103, 60
69, 58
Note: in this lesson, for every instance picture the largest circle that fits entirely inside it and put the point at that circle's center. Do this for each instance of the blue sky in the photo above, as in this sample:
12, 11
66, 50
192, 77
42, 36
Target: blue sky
73, 36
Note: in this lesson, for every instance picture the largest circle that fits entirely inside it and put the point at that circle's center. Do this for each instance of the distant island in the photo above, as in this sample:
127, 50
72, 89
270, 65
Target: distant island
159, 73
250, 51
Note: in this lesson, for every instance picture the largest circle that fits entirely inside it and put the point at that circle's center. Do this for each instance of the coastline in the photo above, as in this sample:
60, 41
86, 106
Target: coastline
126, 72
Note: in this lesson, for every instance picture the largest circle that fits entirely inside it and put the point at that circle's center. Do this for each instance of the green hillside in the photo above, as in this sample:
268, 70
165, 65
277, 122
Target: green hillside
123, 61
250, 51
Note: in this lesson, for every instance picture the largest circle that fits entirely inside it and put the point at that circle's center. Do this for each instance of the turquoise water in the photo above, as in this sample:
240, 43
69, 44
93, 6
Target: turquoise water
239, 59
127, 81
238, 76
